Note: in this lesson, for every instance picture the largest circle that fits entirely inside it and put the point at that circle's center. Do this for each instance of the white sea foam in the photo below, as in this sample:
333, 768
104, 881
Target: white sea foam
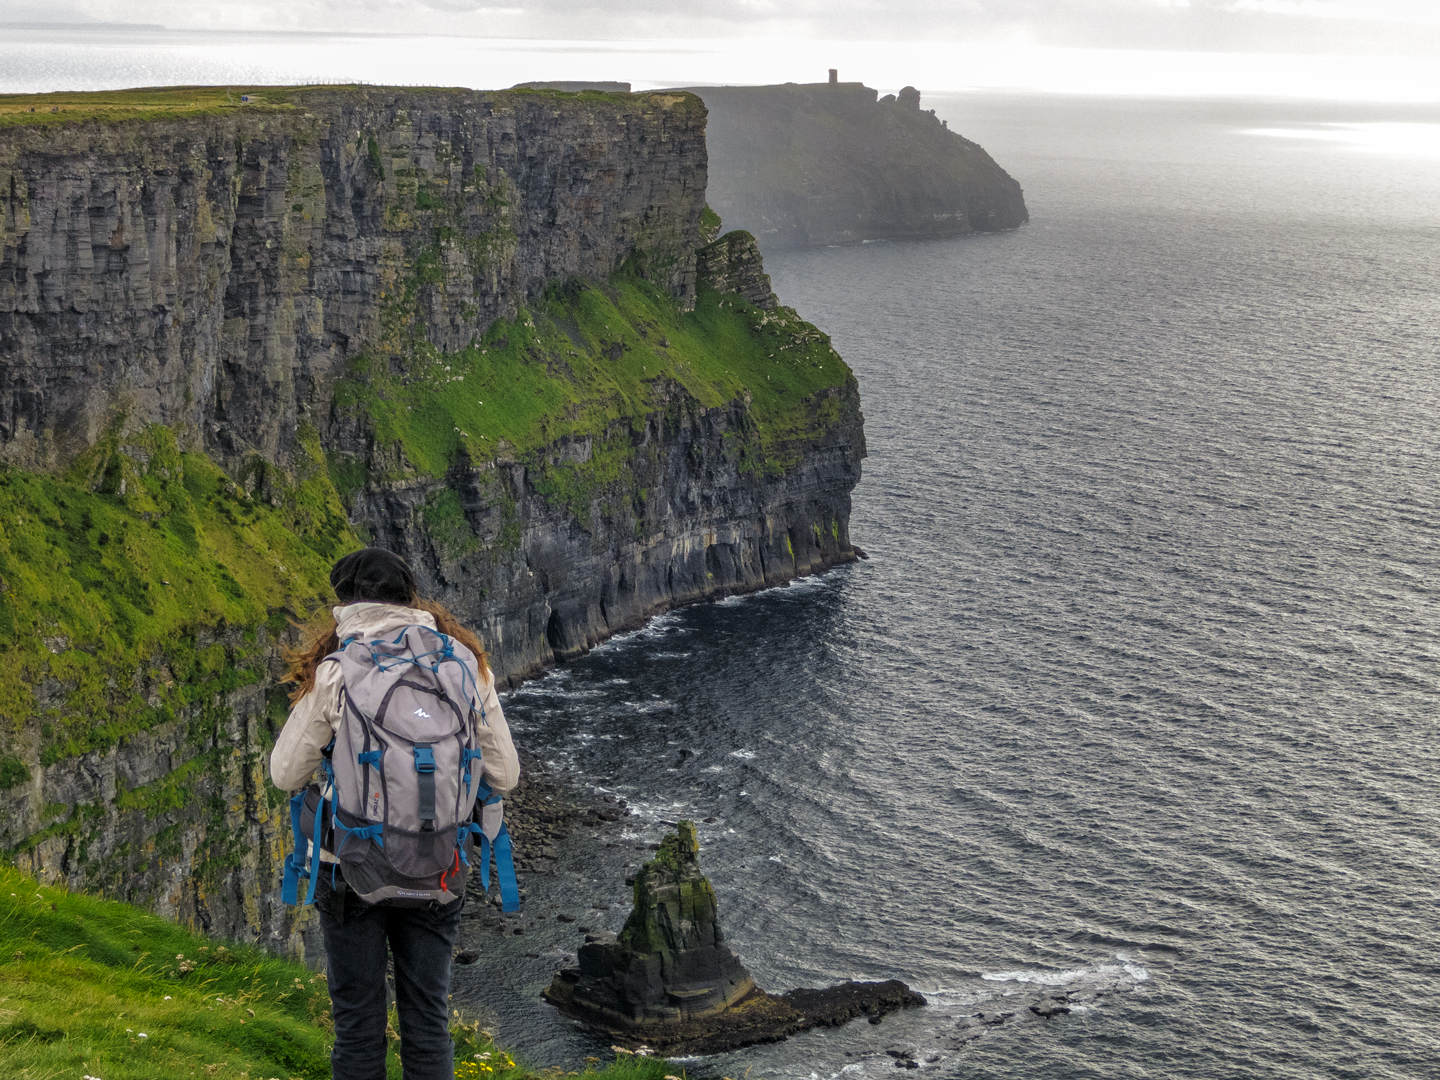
1041, 978
1121, 968
650, 706
743, 755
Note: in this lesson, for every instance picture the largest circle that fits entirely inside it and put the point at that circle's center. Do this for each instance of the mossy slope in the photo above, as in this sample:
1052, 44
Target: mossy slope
96, 988
108, 572
594, 360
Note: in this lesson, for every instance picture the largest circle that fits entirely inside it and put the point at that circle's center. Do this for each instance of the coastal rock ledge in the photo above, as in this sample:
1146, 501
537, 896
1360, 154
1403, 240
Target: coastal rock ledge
668, 980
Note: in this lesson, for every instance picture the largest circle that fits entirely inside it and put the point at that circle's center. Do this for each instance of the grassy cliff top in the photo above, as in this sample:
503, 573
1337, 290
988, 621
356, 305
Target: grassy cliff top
98, 988
167, 102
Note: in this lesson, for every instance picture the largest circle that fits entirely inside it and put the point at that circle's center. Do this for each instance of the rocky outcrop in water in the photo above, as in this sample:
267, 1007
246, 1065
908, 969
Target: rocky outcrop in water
803, 165
668, 980
670, 963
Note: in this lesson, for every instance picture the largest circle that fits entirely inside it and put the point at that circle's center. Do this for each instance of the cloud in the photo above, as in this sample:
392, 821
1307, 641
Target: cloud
1291, 26
469, 7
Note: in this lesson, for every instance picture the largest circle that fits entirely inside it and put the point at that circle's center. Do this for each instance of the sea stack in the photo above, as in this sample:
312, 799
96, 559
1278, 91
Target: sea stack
670, 962
669, 981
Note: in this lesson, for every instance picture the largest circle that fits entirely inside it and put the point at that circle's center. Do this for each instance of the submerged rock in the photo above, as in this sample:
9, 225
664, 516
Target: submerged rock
669, 981
1045, 1005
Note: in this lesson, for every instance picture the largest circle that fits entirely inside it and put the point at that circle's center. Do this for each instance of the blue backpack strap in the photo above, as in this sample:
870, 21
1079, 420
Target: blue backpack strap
504, 857
313, 872
505, 871
319, 830
300, 863
374, 832
295, 861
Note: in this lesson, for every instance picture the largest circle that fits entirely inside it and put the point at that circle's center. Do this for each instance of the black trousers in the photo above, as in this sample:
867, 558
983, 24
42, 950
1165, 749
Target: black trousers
422, 941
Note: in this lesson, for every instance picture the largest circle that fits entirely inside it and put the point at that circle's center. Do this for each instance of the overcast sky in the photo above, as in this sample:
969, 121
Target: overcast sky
1399, 27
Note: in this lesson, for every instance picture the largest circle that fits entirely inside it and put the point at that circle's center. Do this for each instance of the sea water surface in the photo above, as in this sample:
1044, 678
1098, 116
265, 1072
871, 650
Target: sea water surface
1141, 675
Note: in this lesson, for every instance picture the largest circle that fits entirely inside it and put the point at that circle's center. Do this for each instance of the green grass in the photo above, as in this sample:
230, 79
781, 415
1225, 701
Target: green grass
592, 361
165, 102
151, 103
130, 564
99, 988
81, 979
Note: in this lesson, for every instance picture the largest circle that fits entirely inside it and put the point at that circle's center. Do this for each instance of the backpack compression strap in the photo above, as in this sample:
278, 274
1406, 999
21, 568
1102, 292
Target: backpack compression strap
296, 864
295, 861
504, 855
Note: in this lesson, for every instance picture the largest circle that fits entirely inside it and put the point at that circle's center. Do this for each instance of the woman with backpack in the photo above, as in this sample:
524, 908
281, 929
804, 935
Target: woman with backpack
373, 751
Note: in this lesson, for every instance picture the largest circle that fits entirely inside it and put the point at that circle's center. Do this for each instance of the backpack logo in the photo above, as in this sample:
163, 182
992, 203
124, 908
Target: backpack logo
422, 714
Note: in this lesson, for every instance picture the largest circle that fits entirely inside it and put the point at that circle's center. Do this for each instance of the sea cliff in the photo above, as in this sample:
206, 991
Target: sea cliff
241, 334
810, 164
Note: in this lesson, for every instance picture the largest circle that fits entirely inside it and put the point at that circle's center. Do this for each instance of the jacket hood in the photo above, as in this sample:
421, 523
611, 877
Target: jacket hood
370, 620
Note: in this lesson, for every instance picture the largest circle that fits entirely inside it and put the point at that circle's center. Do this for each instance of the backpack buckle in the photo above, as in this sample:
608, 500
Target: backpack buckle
424, 759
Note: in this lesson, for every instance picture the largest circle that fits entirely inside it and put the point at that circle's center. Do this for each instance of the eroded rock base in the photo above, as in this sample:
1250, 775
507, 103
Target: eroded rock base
759, 1018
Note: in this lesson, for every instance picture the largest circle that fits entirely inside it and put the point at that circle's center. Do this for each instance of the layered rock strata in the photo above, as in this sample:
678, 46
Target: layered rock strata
215, 272
805, 165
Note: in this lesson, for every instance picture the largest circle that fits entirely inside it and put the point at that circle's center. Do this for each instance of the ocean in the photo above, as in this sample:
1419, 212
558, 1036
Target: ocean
1141, 677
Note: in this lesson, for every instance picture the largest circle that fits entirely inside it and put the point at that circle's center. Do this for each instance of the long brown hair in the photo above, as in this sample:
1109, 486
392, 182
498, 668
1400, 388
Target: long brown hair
318, 639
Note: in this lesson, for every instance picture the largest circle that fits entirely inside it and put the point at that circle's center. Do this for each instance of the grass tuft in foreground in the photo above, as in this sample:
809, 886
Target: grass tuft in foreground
102, 989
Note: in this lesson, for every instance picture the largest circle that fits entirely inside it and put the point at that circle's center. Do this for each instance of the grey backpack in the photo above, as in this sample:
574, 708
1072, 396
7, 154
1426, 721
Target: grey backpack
403, 775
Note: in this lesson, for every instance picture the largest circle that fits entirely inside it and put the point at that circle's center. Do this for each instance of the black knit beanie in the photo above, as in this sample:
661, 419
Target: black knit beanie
373, 574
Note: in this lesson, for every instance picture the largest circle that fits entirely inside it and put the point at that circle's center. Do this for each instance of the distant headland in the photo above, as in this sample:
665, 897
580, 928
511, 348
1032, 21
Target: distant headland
810, 164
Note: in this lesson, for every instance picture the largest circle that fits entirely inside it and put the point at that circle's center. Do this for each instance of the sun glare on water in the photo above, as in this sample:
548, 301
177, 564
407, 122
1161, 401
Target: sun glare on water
1404, 140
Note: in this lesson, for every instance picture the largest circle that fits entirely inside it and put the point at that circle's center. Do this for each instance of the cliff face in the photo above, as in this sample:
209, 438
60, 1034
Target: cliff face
702, 528
237, 341
213, 272
804, 165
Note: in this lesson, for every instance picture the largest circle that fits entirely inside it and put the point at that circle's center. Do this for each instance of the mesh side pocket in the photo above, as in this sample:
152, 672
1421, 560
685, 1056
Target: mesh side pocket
308, 810
352, 851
